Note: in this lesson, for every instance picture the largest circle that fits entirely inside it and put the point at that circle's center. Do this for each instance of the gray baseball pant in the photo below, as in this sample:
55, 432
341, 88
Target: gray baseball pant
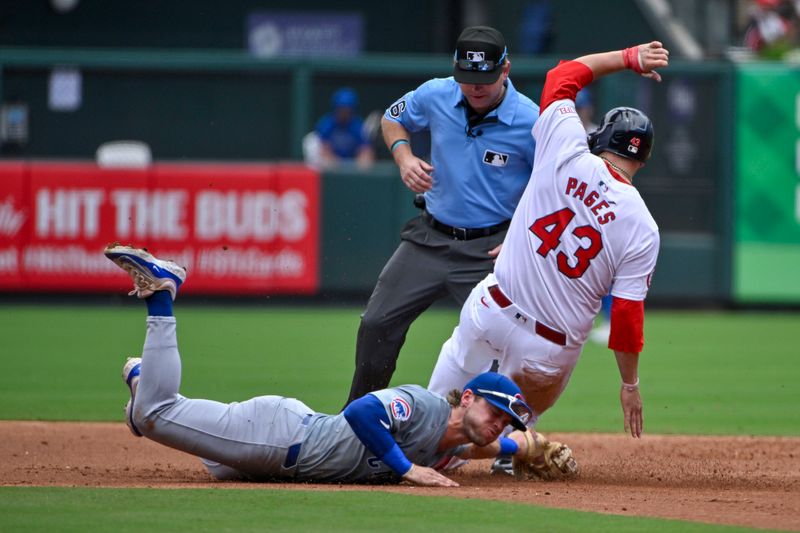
248, 439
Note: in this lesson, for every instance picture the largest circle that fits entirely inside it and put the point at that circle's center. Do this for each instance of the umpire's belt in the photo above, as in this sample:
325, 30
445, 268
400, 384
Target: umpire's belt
463, 234
294, 449
543, 331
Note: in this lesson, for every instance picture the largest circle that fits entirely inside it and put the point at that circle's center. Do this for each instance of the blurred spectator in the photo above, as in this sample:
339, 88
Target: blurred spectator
773, 27
536, 27
341, 134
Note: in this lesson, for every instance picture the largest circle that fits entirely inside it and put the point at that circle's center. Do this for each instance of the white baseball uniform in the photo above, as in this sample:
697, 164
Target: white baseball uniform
578, 231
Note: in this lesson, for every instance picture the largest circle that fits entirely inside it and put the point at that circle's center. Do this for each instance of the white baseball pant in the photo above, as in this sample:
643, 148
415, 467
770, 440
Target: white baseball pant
487, 332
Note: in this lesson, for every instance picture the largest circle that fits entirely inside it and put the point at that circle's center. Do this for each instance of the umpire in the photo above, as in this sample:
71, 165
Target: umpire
481, 160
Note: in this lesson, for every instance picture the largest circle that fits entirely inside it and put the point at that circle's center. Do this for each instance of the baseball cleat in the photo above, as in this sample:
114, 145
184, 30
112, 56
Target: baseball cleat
130, 375
149, 274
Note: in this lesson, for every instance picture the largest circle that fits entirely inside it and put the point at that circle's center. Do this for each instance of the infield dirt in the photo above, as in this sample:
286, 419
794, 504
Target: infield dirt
746, 481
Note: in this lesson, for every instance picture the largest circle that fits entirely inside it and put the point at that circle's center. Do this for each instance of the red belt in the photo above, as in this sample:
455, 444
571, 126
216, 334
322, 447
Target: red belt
548, 333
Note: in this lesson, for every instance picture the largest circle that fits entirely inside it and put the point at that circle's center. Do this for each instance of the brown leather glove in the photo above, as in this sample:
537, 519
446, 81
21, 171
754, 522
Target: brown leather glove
543, 459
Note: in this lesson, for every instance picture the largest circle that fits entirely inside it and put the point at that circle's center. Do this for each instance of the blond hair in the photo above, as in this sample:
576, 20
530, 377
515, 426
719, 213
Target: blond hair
454, 397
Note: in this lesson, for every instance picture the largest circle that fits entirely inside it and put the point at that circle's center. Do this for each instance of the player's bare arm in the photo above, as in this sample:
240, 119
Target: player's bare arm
643, 59
414, 171
481, 452
522, 444
631, 400
627, 341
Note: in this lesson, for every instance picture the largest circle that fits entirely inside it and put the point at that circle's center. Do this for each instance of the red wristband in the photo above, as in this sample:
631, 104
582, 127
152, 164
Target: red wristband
630, 56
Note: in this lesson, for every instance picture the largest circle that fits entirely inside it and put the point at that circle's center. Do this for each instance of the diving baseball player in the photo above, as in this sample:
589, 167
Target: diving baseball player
580, 228
402, 433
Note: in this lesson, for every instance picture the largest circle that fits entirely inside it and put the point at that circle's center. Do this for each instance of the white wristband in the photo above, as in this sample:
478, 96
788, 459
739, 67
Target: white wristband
630, 387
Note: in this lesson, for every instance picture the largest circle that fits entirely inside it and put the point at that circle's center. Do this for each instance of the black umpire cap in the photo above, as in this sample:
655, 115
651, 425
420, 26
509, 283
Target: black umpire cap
480, 54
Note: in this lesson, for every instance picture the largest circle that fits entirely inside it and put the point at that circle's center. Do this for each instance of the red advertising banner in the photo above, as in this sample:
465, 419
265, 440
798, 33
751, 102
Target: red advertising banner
237, 228
14, 222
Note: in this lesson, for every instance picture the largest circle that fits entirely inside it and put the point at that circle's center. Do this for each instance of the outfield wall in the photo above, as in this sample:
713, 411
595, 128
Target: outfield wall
766, 256
241, 229
720, 243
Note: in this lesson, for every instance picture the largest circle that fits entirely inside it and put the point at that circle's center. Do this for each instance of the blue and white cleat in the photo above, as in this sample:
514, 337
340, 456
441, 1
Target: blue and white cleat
130, 375
148, 273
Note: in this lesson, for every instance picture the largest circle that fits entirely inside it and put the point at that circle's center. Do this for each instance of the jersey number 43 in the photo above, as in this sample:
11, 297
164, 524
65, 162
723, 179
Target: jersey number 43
549, 229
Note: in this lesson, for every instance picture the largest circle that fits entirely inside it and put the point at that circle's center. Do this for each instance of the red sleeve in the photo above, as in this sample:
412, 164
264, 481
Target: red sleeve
564, 81
627, 325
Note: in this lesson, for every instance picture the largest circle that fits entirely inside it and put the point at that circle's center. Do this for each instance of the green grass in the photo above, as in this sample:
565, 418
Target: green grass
701, 372
704, 373
272, 510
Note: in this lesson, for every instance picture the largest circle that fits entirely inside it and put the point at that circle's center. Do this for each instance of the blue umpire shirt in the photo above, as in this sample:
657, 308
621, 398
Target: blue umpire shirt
478, 176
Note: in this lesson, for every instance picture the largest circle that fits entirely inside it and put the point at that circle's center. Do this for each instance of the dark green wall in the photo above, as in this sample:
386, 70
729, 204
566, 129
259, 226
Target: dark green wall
578, 26
208, 23
180, 115
228, 106
362, 214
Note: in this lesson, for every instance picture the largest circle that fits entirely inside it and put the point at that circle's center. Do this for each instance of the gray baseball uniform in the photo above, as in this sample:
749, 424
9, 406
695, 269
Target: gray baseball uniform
272, 437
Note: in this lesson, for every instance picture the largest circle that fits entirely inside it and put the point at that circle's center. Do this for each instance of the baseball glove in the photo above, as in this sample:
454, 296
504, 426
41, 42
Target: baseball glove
544, 460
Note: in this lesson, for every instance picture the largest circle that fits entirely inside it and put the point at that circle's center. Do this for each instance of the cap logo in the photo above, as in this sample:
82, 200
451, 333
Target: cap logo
634, 146
475, 56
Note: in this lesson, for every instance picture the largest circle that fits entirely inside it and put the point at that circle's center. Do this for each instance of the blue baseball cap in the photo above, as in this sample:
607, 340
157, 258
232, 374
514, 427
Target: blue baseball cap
344, 97
504, 394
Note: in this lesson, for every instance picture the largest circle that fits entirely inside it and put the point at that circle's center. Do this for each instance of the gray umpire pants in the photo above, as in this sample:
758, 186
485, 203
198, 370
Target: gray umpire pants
251, 439
427, 266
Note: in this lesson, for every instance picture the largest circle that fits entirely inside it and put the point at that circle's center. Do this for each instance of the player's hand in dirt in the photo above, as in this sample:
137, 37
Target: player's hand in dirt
428, 477
631, 402
415, 172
